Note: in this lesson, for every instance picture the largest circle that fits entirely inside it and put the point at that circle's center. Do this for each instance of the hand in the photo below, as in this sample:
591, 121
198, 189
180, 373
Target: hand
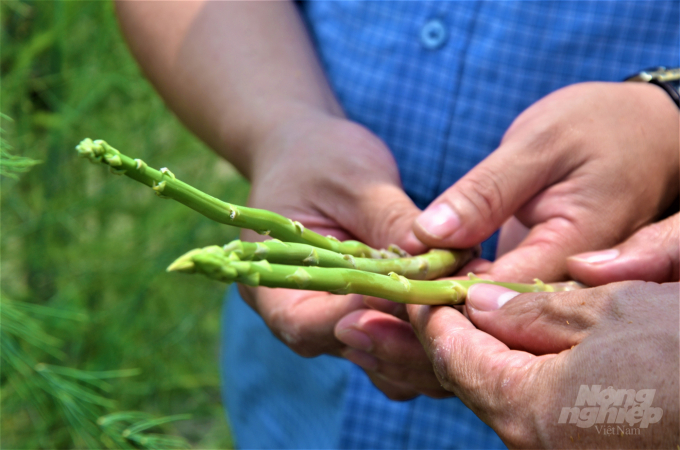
264, 103
532, 358
580, 170
382, 342
335, 178
651, 254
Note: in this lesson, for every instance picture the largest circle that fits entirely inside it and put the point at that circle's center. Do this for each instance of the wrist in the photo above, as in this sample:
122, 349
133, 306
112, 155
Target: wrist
273, 134
655, 105
313, 142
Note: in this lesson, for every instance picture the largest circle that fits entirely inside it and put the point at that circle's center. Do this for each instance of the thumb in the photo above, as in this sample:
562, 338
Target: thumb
477, 205
382, 216
651, 254
540, 323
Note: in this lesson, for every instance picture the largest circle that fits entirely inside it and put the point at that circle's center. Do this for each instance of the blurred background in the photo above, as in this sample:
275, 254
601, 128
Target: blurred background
101, 348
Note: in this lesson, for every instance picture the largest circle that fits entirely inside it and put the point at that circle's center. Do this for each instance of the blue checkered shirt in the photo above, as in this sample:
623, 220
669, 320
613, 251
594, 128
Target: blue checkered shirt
439, 82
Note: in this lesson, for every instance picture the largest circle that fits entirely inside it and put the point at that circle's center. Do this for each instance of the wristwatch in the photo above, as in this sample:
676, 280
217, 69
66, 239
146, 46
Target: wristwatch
666, 79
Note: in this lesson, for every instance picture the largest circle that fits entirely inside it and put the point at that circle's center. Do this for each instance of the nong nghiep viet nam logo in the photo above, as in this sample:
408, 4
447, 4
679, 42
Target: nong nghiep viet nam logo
595, 405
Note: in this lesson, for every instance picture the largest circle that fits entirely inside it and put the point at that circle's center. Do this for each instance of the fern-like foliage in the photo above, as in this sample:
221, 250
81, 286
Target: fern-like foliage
81, 396
10, 164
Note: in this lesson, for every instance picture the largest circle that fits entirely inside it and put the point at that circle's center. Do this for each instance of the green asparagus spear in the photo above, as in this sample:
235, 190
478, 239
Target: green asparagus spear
215, 263
432, 265
165, 184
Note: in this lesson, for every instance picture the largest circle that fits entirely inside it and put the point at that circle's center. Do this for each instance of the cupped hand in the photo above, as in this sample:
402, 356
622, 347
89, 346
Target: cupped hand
336, 178
382, 342
538, 367
580, 170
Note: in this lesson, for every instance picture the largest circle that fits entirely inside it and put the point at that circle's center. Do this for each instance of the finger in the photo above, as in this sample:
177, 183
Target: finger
512, 233
651, 254
303, 320
478, 204
393, 391
476, 266
472, 364
422, 381
542, 254
391, 351
384, 336
380, 215
387, 306
412, 380
540, 323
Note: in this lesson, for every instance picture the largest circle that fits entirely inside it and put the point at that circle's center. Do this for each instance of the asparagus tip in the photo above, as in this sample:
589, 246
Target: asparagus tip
97, 150
184, 263
235, 246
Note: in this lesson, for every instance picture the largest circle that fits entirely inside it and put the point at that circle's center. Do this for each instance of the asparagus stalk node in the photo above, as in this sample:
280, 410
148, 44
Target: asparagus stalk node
166, 185
217, 264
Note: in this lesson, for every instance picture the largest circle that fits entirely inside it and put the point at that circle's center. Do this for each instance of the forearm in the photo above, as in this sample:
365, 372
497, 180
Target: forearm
234, 72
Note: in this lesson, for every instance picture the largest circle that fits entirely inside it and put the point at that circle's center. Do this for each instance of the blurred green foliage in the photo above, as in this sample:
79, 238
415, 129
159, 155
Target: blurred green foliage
83, 252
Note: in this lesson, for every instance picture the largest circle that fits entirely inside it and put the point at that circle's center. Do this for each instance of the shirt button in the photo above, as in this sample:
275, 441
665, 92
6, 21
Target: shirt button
433, 35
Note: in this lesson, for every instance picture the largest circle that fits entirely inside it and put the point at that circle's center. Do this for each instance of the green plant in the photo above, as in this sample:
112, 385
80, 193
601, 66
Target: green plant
11, 165
81, 396
77, 243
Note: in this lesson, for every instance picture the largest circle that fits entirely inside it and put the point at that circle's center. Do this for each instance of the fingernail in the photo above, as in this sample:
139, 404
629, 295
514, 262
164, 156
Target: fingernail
439, 220
355, 339
361, 359
597, 257
488, 297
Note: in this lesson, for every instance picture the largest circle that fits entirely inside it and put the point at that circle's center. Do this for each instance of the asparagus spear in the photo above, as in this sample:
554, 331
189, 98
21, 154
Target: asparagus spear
165, 184
432, 265
215, 263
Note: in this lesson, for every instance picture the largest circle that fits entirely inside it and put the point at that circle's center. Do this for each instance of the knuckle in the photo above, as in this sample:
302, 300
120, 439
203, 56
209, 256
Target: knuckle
392, 218
442, 361
620, 299
281, 321
656, 233
664, 236
484, 192
576, 308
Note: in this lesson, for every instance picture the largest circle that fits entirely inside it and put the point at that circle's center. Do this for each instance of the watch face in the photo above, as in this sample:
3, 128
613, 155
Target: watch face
661, 74
666, 79
668, 75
